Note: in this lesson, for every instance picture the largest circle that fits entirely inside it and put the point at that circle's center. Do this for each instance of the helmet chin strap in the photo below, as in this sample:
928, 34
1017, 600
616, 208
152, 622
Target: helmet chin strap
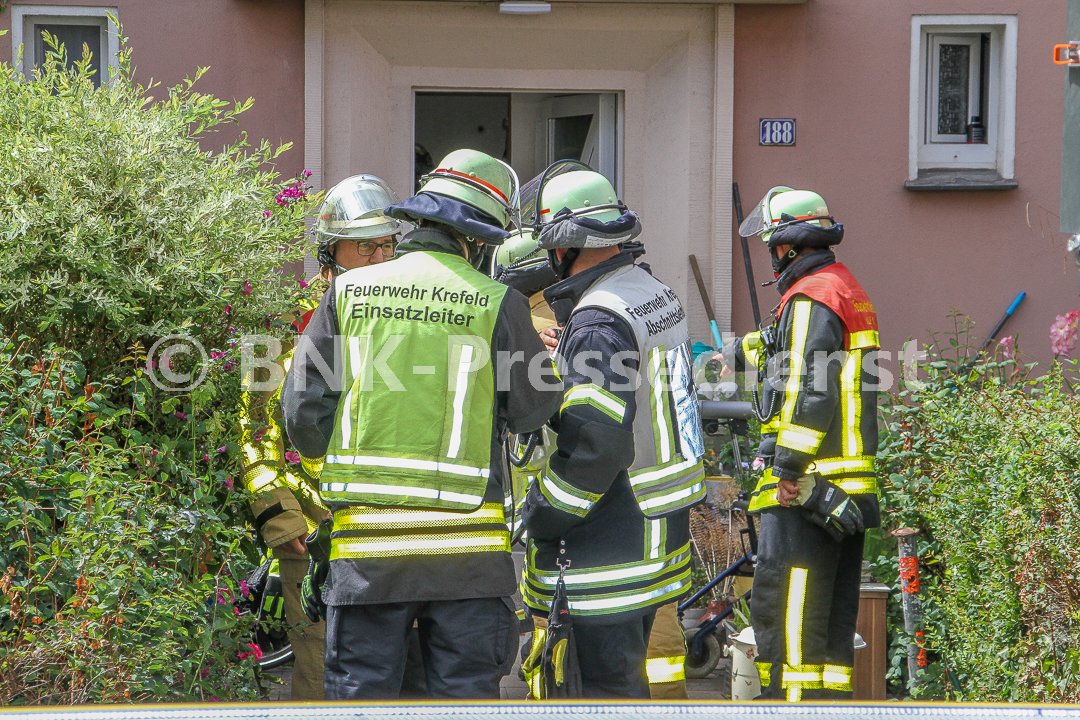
562, 267
780, 263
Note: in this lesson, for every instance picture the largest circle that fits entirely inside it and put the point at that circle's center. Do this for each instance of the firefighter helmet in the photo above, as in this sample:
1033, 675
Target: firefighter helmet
522, 264
782, 207
353, 209
579, 209
476, 179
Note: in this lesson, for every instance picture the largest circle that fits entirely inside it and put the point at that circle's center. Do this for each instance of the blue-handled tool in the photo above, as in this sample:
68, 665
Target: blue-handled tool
1004, 319
708, 304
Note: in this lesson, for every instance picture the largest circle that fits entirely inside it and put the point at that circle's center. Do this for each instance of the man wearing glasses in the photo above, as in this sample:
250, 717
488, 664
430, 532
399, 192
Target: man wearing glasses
352, 232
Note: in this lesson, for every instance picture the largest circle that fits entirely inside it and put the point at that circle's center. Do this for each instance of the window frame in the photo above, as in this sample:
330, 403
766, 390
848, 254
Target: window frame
25, 17
934, 42
999, 116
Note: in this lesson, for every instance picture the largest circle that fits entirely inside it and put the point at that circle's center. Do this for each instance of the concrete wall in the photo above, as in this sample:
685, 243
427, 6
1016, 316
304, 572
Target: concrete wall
841, 67
367, 59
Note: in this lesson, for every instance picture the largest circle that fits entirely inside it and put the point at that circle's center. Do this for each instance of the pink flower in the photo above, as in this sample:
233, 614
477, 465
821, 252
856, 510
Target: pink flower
153, 453
247, 288
179, 415
1008, 347
244, 589
229, 486
306, 173
1063, 333
228, 309
293, 457
222, 448
221, 596
215, 355
266, 213
206, 458
303, 284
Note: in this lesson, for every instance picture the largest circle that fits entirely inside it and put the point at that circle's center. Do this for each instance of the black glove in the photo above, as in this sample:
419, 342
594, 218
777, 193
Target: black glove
318, 544
833, 509
311, 591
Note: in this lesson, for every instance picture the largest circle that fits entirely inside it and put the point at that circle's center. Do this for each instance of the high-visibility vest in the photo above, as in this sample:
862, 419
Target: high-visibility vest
414, 427
667, 473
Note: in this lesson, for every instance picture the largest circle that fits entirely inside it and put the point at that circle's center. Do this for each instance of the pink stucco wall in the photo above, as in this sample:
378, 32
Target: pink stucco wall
841, 67
254, 48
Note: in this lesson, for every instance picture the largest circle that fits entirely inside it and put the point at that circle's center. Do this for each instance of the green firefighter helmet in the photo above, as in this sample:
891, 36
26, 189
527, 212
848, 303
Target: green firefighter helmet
584, 193
478, 180
353, 210
579, 209
522, 264
799, 206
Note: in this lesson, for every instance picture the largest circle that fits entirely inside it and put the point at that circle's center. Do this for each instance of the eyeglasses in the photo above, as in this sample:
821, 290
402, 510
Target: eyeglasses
367, 248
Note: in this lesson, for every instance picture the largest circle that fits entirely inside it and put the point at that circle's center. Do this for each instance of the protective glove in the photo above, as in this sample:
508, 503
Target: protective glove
311, 591
830, 507
318, 543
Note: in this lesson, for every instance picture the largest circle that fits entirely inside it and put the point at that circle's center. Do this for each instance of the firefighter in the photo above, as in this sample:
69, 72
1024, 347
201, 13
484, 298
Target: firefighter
351, 232
434, 368
819, 489
610, 506
523, 265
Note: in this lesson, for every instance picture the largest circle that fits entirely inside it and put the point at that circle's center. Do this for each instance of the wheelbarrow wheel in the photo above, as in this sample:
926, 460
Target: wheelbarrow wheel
700, 665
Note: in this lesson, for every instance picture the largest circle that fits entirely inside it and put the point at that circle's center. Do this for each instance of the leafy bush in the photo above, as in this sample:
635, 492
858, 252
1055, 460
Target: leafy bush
122, 536
114, 550
984, 460
117, 227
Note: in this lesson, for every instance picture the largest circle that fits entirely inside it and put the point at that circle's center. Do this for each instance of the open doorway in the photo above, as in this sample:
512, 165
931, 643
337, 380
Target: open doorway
528, 130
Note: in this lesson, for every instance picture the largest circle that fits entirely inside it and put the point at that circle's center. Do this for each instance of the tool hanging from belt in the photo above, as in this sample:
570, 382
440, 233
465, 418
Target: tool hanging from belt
551, 667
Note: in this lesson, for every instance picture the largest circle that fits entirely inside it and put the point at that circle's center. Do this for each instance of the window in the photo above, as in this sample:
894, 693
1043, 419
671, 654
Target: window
73, 26
963, 102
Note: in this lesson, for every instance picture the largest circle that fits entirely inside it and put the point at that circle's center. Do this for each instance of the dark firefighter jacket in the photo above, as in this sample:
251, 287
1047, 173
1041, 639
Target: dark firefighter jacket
591, 506
824, 386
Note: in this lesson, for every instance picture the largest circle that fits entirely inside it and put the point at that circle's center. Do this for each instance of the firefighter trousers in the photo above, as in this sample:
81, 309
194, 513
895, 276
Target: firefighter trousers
306, 639
804, 607
467, 648
666, 657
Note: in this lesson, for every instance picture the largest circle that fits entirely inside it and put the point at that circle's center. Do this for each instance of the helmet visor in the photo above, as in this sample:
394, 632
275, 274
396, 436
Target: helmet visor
354, 209
761, 219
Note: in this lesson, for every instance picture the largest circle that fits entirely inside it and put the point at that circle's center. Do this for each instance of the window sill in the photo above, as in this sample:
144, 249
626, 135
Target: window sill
943, 179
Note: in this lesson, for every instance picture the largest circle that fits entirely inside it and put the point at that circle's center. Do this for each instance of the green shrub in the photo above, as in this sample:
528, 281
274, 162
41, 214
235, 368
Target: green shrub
117, 227
113, 550
123, 534
985, 461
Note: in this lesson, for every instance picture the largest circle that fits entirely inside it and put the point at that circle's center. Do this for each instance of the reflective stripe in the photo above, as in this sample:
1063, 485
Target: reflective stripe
597, 397
647, 476
407, 464
535, 676
793, 623
864, 339
402, 491
800, 328
836, 677
264, 477
346, 406
859, 486
839, 466
661, 425
441, 544
666, 669
655, 532
461, 388
565, 496
611, 575
802, 677
619, 602
799, 438
372, 518
682, 493
851, 405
